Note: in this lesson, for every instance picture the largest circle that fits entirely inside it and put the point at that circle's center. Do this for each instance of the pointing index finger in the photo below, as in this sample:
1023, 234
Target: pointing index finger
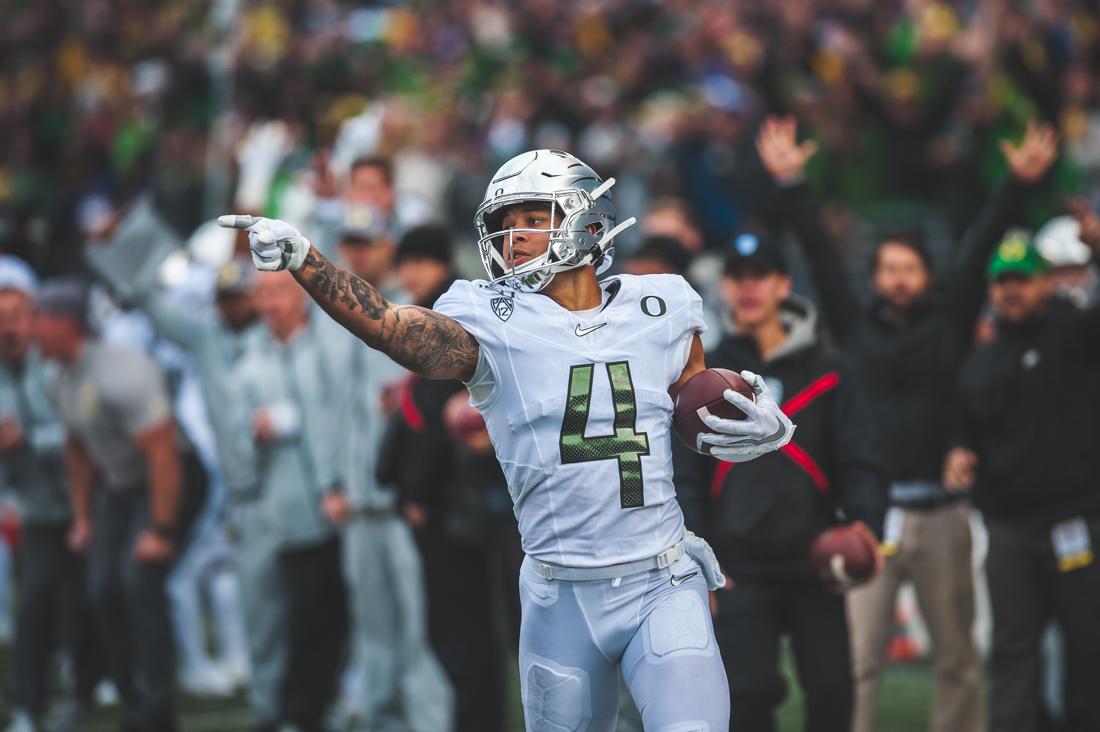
237, 221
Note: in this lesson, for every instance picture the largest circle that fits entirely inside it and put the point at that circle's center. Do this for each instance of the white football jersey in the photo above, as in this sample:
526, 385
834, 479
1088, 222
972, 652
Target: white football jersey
578, 410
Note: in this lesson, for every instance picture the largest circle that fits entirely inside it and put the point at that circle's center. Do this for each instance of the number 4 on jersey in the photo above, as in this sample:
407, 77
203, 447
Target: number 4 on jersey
626, 445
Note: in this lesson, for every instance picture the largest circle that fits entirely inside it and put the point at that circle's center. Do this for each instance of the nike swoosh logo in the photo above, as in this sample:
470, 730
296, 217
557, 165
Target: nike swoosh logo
585, 331
677, 581
751, 442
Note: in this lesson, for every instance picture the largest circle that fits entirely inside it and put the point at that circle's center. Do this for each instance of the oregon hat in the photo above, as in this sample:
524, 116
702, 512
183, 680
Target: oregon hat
1016, 254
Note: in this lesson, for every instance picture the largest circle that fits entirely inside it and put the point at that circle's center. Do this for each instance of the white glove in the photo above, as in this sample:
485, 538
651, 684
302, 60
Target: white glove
275, 244
698, 549
764, 429
285, 419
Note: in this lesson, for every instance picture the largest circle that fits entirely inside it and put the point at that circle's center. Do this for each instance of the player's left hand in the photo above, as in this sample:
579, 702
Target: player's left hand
764, 429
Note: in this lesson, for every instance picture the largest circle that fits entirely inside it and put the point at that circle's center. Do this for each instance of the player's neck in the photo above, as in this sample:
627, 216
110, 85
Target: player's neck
575, 289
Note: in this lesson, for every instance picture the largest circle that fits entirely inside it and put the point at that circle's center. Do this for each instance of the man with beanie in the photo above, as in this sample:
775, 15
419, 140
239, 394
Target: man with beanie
419, 457
1026, 444
125, 476
394, 681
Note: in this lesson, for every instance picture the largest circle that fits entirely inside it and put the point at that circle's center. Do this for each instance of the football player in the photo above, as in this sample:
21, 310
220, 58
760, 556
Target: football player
575, 378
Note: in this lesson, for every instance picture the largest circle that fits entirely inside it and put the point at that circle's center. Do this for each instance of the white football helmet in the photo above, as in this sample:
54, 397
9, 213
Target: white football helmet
578, 195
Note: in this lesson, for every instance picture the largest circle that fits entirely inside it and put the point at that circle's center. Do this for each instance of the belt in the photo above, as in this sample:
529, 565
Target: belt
581, 574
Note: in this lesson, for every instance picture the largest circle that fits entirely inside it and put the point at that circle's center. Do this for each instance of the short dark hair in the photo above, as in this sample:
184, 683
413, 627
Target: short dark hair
384, 165
427, 241
914, 239
666, 249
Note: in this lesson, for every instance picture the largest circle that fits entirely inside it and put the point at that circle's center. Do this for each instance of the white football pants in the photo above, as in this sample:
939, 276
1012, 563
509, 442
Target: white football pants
576, 637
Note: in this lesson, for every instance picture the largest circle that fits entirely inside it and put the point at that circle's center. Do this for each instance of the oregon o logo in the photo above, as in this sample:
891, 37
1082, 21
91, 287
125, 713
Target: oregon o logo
649, 308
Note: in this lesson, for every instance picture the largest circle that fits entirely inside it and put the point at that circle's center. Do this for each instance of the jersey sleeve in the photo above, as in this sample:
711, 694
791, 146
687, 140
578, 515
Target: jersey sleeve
686, 308
466, 304
693, 314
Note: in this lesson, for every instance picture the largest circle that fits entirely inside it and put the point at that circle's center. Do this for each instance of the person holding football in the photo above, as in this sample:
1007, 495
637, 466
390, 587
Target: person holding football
575, 378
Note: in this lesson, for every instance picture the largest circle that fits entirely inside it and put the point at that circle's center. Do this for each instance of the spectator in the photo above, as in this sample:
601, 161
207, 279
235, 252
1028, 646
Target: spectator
402, 683
1035, 482
289, 397
1072, 267
419, 457
658, 254
216, 339
124, 470
762, 538
371, 183
52, 608
904, 349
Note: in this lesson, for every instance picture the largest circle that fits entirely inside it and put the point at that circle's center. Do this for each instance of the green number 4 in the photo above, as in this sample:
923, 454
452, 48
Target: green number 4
626, 445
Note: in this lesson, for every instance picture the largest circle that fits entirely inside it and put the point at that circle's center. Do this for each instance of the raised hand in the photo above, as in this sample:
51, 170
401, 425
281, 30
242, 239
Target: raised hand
275, 244
1089, 222
779, 149
1031, 159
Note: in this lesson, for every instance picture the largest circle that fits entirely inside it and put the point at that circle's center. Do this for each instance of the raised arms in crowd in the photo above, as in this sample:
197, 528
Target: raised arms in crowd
423, 341
785, 159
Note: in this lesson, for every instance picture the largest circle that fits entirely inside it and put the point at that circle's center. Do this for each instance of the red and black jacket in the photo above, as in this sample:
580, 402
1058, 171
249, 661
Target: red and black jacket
761, 516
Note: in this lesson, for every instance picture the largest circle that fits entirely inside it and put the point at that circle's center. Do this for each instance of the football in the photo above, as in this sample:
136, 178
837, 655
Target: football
843, 557
702, 395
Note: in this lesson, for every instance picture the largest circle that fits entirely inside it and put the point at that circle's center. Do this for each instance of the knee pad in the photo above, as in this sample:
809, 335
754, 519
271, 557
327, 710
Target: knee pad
678, 626
555, 698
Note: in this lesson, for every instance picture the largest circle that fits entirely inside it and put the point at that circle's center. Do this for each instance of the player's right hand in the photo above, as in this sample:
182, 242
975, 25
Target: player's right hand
275, 244
764, 429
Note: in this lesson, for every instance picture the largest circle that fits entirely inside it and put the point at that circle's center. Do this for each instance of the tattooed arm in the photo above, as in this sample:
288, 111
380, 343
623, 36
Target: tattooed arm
423, 341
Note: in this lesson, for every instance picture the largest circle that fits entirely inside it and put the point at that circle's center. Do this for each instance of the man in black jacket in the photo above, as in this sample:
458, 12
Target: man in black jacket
1029, 429
906, 350
442, 501
764, 515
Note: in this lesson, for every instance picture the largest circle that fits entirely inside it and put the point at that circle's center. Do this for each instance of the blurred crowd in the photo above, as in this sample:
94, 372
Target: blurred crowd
345, 548
908, 100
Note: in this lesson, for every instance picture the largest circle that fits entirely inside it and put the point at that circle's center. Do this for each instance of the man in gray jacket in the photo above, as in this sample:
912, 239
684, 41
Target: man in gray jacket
291, 407
216, 340
402, 684
52, 602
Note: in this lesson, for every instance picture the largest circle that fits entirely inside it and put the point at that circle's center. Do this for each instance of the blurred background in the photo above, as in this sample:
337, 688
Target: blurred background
371, 122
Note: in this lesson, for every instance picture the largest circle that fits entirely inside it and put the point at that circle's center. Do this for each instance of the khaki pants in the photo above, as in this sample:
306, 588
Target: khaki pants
934, 553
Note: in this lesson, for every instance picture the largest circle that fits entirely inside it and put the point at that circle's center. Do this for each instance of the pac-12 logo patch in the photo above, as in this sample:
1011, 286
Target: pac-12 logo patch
503, 307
